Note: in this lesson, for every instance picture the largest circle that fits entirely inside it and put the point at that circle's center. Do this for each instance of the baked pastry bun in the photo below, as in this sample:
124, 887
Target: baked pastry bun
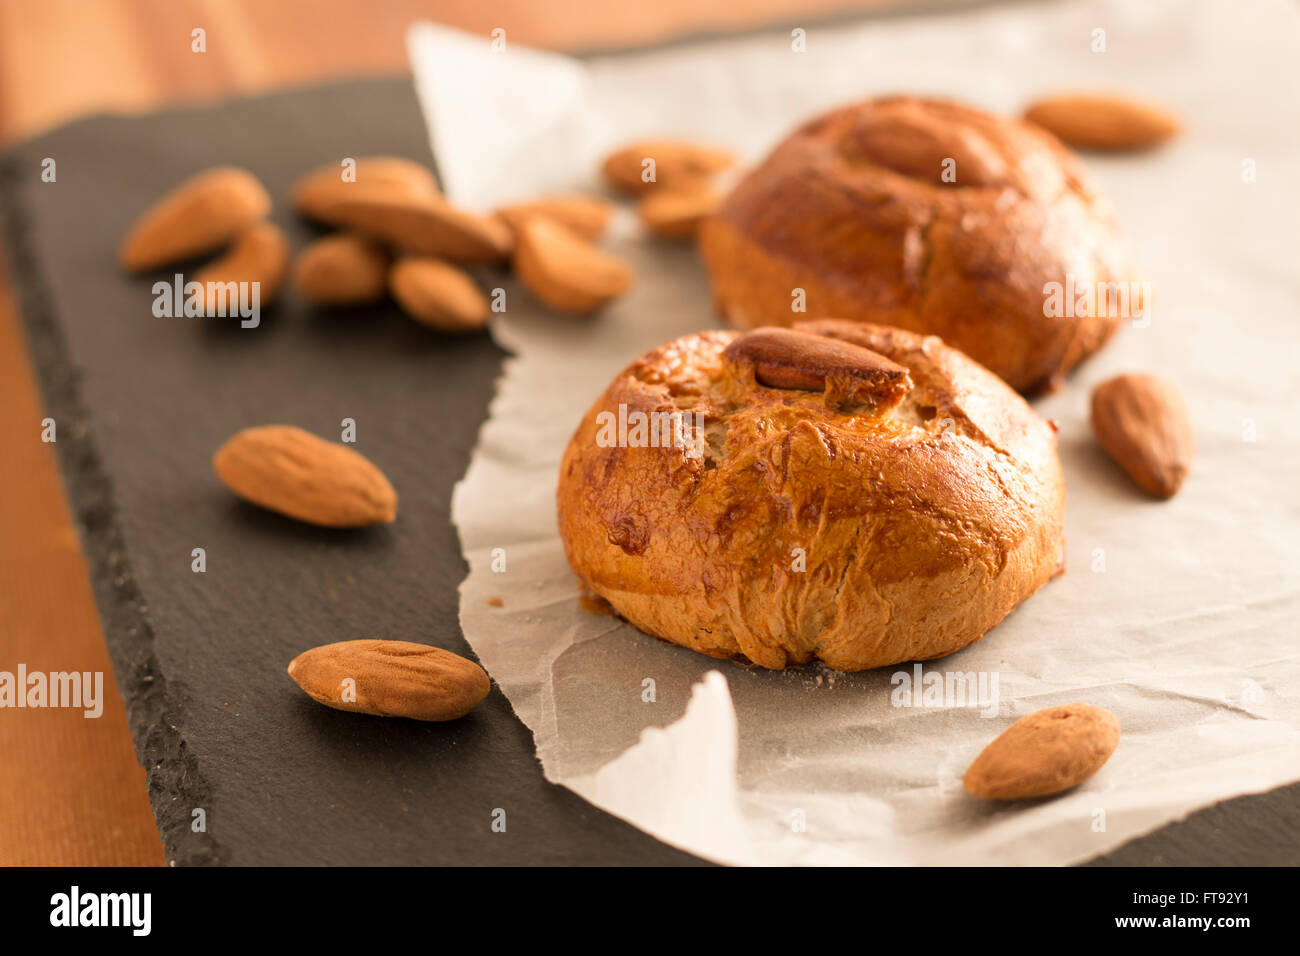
839, 491
854, 209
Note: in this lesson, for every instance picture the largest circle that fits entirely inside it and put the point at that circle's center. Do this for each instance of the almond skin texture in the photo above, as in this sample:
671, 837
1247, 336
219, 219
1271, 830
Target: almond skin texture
424, 225
438, 295
1047, 752
1142, 421
677, 214
586, 216
301, 476
565, 271
1104, 123
677, 164
199, 216
316, 193
342, 270
259, 254
391, 679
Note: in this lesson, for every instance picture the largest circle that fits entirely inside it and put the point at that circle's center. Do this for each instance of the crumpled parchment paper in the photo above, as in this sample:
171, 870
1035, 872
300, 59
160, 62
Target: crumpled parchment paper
1180, 617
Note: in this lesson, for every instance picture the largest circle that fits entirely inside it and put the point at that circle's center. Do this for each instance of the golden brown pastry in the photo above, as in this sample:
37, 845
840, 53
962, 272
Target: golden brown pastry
841, 491
854, 209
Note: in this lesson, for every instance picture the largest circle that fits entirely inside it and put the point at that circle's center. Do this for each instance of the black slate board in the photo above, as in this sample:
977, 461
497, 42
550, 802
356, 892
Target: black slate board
143, 402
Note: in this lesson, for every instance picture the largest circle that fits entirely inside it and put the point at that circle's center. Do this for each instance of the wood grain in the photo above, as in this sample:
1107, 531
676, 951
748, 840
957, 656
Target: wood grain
72, 792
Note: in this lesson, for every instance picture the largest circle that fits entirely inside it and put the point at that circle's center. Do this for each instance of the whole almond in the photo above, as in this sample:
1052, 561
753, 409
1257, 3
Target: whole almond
1104, 122
565, 271
199, 216
424, 225
785, 358
316, 193
672, 163
342, 270
391, 679
586, 216
911, 140
1047, 752
299, 475
1142, 421
438, 295
259, 254
677, 214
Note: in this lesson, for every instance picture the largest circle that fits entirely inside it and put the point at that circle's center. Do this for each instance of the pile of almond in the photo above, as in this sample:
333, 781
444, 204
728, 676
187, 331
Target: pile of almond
400, 236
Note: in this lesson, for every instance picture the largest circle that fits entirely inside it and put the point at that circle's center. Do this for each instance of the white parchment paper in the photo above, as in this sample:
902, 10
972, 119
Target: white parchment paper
1180, 617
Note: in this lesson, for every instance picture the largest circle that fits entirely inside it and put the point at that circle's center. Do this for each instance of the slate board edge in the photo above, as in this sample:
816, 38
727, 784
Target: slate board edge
172, 771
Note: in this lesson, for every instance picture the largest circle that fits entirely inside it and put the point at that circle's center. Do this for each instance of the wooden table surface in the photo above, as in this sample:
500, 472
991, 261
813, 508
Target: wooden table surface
73, 792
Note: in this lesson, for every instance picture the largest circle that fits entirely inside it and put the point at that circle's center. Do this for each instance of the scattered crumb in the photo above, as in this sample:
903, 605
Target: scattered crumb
496, 602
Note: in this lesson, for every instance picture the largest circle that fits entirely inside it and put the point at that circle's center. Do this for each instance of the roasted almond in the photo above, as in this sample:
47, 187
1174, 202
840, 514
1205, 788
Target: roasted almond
1104, 122
299, 475
199, 216
391, 679
565, 271
1046, 752
438, 295
910, 140
342, 270
847, 373
638, 167
315, 194
677, 213
424, 225
259, 255
1142, 421
586, 216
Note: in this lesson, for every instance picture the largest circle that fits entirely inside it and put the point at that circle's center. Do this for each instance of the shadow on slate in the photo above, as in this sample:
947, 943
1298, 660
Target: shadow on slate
142, 403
